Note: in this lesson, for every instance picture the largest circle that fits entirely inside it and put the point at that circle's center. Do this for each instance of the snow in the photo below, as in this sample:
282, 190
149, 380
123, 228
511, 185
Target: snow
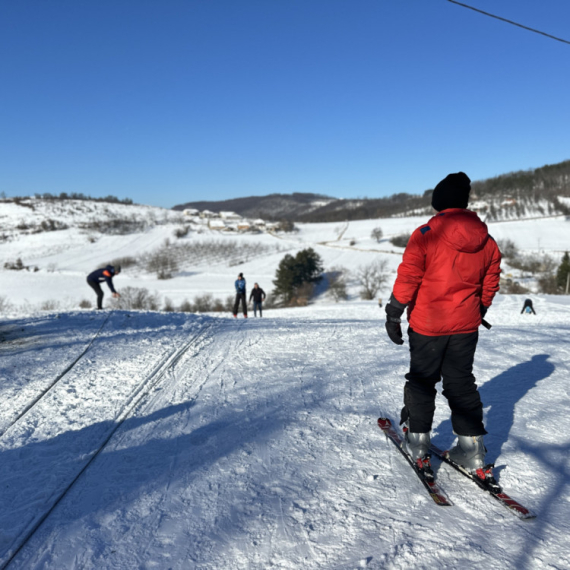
169, 440
258, 447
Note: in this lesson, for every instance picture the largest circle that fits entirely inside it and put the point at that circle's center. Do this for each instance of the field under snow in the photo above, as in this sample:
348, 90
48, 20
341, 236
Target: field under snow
170, 440
183, 441
59, 261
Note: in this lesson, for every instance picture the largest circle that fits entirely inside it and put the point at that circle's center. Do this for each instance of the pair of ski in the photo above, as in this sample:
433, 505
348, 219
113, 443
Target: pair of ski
432, 487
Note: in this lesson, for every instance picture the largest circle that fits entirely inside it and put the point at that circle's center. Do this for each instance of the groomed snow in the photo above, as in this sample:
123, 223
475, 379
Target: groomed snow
257, 445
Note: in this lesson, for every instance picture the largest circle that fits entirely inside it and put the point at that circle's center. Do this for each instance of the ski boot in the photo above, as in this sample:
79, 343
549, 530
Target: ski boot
416, 445
469, 453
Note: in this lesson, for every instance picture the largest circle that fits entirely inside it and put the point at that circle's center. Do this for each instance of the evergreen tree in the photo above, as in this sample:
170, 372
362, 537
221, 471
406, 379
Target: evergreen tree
563, 271
294, 272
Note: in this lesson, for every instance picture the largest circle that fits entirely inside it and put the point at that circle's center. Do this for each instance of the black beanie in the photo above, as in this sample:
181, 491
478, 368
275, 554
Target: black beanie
452, 192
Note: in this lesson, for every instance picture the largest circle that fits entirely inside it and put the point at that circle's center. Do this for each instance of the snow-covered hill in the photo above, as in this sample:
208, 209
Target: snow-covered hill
189, 442
170, 440
208, 260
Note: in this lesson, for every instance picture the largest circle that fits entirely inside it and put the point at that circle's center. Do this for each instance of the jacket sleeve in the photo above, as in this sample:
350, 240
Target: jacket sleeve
492, 277
412, 269
109, 280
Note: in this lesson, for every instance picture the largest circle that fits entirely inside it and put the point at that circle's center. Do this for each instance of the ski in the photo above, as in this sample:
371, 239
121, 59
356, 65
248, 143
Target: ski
487, 485
431, 486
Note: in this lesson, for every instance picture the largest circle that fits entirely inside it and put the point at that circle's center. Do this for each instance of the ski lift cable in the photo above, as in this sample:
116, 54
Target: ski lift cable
509, 22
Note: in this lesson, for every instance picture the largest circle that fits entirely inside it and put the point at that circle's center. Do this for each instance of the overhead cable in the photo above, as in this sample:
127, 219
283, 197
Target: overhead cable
510, 22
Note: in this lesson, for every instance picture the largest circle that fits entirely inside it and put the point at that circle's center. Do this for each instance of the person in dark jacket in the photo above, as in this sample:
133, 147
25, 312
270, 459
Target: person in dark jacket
98, 276
447, 280
528, 307
240, 296
258, 296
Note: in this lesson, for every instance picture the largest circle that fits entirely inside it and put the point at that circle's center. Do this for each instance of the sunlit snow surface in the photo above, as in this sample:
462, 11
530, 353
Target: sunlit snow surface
258, 447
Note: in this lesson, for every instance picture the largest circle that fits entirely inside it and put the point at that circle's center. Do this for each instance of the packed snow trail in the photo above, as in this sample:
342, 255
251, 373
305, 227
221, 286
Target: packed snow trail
260, 449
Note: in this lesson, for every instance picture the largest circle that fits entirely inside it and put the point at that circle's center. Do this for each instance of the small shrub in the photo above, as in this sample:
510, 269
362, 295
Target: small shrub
286, 226
400, 240
336, 278
49, 305
137, 299
116, 226
85, 304
4, 304
181, 232
163, 263
548, 285
186, 307
352, 242
303, 295
124, 262
168, 306
50, 225
203, 303
507, 248
533, 263
17, 265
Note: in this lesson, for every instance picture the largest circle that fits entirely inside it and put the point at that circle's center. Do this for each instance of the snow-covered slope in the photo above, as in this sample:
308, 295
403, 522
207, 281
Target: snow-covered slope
169, 440
58, 261
213, 443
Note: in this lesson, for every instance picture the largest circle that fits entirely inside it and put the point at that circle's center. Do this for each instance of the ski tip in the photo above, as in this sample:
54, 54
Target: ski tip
384, 423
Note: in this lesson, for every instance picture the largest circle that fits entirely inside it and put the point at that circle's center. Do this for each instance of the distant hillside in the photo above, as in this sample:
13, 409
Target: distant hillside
522, 194
271, 207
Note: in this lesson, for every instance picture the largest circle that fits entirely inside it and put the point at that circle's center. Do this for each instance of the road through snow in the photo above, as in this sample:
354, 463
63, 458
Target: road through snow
259, 447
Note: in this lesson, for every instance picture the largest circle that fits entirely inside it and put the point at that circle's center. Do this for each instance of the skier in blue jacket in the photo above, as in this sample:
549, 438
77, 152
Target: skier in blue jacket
240, 296
100, 275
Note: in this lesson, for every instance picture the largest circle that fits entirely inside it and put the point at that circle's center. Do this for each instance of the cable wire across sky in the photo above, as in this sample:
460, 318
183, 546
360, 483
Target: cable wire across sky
510, 22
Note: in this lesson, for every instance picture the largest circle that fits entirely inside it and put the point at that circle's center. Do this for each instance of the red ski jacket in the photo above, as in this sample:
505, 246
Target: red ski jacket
450, 267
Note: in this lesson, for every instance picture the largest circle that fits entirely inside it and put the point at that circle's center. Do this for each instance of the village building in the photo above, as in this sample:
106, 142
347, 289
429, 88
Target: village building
229, 216
217, 224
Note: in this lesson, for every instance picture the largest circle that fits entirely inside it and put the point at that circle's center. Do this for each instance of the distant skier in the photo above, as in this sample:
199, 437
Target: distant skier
447, 278
527, 307
258, 296
240, 296
100, 275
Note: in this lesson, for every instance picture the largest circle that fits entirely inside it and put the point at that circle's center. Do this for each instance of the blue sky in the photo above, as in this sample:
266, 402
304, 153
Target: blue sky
172, 101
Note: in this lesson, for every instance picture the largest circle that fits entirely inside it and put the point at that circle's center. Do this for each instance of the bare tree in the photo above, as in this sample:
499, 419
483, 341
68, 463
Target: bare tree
163, 262
137, 299
377, 234
336, 278
371, 278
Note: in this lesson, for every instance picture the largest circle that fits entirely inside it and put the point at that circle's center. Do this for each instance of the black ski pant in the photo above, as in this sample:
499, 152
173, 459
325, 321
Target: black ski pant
448, 358
256, 306
240, 297
97, 288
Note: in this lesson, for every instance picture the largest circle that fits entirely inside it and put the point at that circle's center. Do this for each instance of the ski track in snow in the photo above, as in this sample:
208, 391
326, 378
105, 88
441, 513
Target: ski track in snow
258, 447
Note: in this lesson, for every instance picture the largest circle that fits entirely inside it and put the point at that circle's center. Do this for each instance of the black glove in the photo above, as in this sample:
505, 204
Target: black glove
483, 310
394, 310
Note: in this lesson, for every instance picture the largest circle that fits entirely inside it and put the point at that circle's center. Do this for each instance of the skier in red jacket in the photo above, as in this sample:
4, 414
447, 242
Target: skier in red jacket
447, 280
